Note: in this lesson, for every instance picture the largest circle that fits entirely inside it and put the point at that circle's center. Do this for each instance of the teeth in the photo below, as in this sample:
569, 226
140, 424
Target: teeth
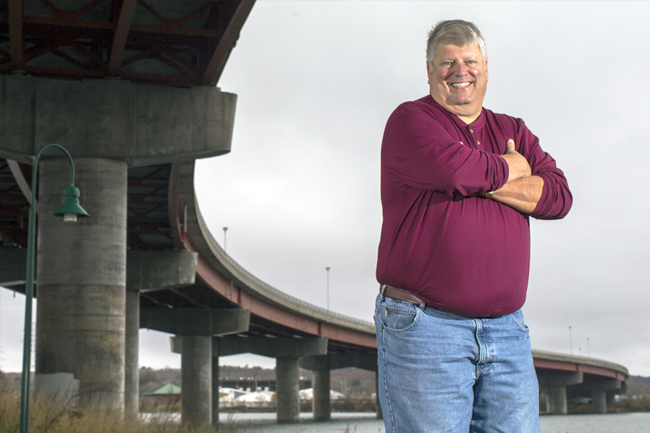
460, 85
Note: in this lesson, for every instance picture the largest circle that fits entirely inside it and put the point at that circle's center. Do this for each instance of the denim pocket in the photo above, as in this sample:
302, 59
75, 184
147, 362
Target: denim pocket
398, 316
518, 319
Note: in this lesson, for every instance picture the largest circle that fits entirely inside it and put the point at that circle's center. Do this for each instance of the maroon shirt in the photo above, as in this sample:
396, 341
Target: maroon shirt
441, 239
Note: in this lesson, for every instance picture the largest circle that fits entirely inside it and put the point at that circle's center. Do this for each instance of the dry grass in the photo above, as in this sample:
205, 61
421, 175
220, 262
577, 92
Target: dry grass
57, 417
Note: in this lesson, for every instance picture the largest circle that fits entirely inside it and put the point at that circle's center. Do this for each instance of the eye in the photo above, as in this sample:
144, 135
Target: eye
471, 62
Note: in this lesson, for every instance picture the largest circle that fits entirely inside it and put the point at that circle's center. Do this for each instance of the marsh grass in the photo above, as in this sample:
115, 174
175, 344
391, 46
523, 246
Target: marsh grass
61, 417
52, 416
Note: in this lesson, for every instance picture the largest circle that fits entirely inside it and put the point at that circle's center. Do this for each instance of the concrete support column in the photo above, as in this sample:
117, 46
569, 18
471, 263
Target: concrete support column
611, 398
287, 388
599, 400
196, 377
380, 414
287, 351
81, 280
321, 365
599, 390
554, 384
131, 354
321, 405
556, 402
215, 382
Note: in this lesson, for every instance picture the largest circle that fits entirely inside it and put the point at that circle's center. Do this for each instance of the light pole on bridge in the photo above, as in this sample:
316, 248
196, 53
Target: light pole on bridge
225, 229
327, 270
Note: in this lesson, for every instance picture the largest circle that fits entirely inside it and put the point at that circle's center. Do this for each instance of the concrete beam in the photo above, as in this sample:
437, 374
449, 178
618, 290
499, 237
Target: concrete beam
159, 270
114, 119
334, 361
195, 321
285, 347
13, 265
559, 378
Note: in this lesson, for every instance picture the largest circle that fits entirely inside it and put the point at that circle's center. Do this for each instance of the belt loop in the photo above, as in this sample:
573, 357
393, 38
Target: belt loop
422, 305
381, 291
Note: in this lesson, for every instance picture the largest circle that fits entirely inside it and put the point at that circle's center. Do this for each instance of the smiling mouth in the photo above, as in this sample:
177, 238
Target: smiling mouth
459, 85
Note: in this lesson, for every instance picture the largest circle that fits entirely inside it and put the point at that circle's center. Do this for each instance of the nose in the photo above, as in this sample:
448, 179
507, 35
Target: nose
460, 69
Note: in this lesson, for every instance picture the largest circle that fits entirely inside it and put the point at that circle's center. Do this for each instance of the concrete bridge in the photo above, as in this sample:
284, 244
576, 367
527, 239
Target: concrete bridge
128, 87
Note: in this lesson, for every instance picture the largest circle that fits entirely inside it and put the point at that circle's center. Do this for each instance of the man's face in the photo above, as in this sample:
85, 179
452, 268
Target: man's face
458, 80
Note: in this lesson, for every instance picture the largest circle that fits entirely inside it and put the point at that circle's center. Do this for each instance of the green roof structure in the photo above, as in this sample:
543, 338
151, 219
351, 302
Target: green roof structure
166, 389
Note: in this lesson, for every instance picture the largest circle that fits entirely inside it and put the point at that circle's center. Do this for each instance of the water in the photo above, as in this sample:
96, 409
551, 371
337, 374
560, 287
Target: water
610, 423
367, 423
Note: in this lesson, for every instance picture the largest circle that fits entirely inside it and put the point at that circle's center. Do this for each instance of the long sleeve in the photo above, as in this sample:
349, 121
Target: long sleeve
420, 151
556, 199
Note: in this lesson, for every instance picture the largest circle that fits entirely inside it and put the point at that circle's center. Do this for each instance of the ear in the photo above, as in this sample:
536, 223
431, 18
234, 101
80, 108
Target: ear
429, 70
487, 75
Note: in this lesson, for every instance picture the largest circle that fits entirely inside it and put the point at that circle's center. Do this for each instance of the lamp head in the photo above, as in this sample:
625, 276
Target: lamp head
71, 209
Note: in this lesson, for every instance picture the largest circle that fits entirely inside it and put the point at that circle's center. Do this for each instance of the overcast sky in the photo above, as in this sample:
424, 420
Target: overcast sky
316, 82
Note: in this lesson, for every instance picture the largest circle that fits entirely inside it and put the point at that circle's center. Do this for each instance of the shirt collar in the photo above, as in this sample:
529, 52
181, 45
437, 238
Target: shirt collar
477, 124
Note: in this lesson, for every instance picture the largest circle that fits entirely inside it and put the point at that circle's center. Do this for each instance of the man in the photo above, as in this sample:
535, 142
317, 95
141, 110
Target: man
458, 184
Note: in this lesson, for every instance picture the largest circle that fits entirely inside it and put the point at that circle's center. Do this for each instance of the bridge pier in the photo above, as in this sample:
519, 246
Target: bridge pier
147, 271
380, 414
196, 374
287, 351
132, 354
215, 382
287, 389
321, 403
321, 366
106, 125
81, 281
555, 383
599, 389
196, 327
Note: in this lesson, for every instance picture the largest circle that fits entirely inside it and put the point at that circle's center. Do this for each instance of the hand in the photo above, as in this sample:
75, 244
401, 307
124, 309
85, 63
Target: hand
518, 166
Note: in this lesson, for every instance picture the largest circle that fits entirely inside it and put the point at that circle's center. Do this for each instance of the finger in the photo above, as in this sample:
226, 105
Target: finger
510, 146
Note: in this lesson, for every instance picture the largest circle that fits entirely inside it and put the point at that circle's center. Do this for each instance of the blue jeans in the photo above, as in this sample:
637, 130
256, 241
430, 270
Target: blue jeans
439, 372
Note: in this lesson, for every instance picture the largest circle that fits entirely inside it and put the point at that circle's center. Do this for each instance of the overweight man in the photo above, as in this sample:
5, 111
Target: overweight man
458, 185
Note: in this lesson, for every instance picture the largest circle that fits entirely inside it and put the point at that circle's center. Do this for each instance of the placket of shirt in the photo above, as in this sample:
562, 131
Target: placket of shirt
475, 135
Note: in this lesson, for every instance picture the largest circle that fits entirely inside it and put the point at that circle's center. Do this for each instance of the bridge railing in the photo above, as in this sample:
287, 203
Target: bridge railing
578, 359
226, 260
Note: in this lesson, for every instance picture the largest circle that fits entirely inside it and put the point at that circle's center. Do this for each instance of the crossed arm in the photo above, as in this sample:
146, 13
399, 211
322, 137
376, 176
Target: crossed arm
522, 191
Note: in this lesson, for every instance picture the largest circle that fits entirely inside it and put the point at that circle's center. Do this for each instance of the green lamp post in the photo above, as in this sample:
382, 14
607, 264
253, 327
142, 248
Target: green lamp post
70, 211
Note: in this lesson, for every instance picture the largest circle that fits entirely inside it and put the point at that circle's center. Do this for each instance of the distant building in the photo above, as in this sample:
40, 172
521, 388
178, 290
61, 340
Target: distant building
165, 395
252, 384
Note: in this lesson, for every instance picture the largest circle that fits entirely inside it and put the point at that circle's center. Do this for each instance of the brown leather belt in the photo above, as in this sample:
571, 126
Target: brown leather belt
400, 295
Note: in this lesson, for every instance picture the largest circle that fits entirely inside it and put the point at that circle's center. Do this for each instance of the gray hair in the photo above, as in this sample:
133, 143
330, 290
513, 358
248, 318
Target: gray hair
455, 32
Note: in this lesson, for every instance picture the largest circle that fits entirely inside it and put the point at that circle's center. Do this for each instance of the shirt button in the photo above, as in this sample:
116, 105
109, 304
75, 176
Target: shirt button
478, 143
471, 130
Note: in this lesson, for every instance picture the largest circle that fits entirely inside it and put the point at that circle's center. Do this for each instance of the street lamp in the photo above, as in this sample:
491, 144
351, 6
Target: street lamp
225, 229
570, 341
327, 269
70, 210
